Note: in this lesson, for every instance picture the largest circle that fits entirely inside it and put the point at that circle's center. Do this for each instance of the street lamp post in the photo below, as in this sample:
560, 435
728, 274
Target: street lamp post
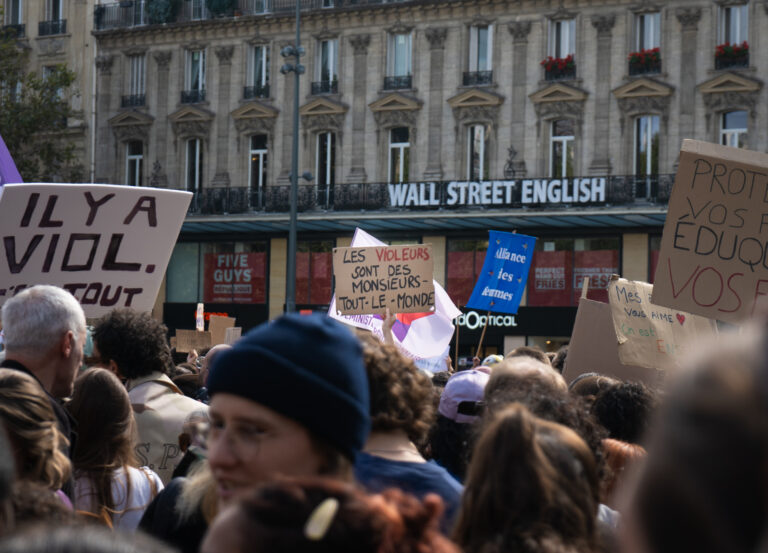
295, 51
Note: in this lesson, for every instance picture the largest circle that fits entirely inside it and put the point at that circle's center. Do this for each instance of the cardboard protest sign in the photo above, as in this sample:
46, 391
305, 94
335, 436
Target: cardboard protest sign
218, 326
232, 335
650, 335
502, 281
594, 348
370, 279
108, 245
714, 252
187, 340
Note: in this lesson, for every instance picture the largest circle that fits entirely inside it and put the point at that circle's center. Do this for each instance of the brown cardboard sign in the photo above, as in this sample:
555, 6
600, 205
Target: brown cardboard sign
187, 340
650, 335
594, 348
370, 279
714, 252
217, 326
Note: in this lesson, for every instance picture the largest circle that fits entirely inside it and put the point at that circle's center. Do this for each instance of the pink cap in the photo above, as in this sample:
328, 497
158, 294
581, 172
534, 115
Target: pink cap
462, 386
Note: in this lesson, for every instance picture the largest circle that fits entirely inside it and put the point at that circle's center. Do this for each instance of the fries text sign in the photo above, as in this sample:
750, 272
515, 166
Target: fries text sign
714, 252
370, 279
108, 245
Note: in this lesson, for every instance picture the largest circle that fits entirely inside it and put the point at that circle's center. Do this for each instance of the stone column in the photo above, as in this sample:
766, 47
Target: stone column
601, 159
436, 37
516, 167
689, 22
357, 166
221, 178
104, 158
159, 176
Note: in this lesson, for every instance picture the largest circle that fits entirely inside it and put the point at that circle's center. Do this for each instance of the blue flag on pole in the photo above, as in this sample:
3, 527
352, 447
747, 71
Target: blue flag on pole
501, 284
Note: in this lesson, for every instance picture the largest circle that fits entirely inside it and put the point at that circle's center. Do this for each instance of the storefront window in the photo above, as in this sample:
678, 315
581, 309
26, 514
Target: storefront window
218, 272
463, 264
560, 266
314, 272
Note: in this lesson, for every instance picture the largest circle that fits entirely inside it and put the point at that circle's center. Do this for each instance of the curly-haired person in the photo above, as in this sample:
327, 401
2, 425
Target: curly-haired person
133, 346
402, 412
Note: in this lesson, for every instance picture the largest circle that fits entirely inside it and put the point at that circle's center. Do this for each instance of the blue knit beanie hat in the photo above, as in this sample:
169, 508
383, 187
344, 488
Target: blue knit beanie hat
308, 368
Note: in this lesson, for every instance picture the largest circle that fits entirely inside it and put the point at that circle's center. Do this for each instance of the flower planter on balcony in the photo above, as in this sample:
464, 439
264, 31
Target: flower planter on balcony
559, 69
645, 62
732, 55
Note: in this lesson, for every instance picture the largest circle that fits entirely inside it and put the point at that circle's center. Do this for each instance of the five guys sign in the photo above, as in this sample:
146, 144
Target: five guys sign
108, 245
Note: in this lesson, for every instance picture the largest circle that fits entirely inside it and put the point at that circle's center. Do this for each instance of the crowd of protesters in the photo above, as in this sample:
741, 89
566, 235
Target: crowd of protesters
307, 436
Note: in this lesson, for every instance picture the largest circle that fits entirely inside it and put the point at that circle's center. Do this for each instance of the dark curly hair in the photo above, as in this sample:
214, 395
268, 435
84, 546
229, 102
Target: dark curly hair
401, 395
274, 518
625, 410
134, 341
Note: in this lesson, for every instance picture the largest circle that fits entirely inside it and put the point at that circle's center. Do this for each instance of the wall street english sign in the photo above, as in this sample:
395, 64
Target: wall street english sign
501, 193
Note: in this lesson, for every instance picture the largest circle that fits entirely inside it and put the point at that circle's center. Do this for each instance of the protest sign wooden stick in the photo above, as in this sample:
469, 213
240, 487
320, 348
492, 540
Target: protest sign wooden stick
482, 336
456, 349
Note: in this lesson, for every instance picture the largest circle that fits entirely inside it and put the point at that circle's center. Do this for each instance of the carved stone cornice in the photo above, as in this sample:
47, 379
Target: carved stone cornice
360, 44
333, 122
646, 6
604, 24
195, 45
729, 101
255, 125
465, 115
558, 110
191, 129
135, 51
224, 54
658, 105
126, 133
163, 58
395, 118
688, 18
520, 30
104, 63
399, 28
436, 37
562, 14
51, 46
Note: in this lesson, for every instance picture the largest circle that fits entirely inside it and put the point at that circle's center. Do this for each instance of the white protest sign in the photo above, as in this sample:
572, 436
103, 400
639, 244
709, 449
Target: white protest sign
108, 245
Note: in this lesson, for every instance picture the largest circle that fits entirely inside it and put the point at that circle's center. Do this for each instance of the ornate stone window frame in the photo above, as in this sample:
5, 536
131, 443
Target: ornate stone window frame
476, 107
254, 117
392, 111
129, 126
731, 91
643, 96
559, 101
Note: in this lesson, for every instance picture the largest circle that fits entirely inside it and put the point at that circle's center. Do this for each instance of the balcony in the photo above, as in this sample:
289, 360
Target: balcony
398, 82
347, 197
133, 101
192, 96
728, 63
16, 30
478, 78
54, 27
325, 87
118, 15
645, 62
258, 91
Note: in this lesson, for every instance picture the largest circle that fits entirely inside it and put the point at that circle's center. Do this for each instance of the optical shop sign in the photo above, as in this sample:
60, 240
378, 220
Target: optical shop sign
108, 245
500, 193
714, 252
371, 279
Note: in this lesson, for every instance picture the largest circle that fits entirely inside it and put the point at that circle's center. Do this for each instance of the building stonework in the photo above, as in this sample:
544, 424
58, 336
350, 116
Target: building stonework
512, 102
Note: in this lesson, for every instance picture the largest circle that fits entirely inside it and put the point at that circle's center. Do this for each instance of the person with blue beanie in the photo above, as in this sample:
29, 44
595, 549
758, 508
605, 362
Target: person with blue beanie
290, 398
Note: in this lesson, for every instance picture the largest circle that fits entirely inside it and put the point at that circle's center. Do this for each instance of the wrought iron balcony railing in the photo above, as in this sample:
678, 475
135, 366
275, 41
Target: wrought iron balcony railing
118, 15
192, 96
398, 82
727, 63
557, 74
133, 100
343, 197
325, 87
258, 91
478, 78
648, 68
15, 30
53, 27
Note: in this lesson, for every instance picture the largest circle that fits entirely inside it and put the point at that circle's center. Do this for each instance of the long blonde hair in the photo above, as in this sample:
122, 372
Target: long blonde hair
33, 431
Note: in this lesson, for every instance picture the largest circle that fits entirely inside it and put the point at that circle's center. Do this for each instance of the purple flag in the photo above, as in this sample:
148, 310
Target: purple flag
8, 172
